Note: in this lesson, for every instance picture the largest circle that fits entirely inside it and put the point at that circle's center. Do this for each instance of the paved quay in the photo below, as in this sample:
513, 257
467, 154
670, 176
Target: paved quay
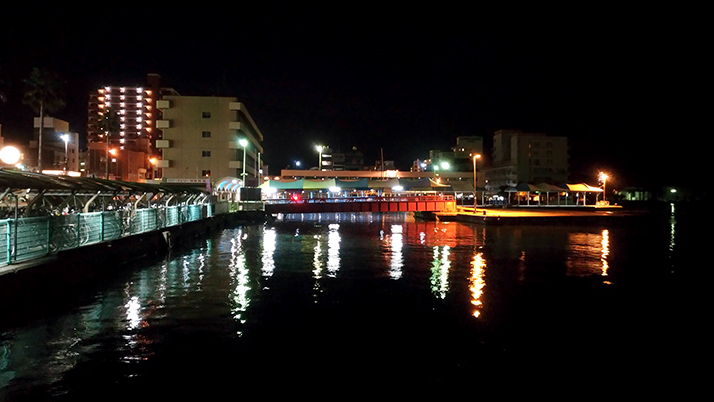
535, 215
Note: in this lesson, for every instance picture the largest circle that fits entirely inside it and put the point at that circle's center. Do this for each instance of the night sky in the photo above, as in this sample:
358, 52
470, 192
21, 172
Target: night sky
624, 89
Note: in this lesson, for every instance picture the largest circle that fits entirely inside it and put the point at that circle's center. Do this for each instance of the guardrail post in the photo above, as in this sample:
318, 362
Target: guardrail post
9, 238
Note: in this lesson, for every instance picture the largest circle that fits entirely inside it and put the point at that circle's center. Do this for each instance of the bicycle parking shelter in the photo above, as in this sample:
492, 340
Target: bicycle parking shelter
42, 214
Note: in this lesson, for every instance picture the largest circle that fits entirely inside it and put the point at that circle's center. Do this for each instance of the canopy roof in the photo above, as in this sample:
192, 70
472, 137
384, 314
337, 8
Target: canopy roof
545, 187
16, 180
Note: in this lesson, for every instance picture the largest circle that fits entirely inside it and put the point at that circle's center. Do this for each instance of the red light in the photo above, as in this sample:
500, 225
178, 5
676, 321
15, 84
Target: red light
295, 197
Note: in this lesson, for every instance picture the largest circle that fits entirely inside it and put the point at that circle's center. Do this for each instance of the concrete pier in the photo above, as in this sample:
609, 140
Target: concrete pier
533, 216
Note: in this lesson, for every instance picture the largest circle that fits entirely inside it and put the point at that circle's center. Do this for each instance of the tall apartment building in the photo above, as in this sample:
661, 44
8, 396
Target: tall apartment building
519, 157
136, 109
202, 138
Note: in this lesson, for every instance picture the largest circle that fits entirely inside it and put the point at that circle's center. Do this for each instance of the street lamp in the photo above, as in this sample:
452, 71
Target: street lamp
65, 138
603, 178
244, 143
475, 180
153, 164
319, 158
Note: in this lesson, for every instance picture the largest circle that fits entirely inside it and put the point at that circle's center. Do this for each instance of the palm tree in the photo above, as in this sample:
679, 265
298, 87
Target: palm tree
109, 124
44, 94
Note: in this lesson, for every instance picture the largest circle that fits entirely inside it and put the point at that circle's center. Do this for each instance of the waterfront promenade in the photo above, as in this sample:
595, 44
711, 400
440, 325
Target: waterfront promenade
537, 215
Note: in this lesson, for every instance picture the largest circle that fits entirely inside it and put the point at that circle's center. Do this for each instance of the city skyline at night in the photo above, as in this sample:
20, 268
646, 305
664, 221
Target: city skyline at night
392, 87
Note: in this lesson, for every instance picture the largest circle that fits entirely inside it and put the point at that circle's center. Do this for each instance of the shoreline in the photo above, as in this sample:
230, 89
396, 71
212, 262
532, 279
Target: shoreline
535, 215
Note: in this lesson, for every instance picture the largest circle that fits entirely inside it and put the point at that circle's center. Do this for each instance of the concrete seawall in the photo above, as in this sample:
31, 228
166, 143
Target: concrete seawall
515, 216
66, 269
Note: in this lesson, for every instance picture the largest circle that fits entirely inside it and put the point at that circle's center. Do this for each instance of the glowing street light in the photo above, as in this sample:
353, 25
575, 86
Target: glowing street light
475, 180
244, 143
319, 158
65, 138
10, 155
603, 178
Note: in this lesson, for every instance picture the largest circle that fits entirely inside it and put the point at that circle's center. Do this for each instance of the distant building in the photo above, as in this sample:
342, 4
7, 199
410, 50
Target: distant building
136, 108
201, 138
53, 145
519, 157
464, 150
350, 160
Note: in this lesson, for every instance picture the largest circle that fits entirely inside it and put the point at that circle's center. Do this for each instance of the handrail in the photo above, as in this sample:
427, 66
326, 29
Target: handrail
25, 239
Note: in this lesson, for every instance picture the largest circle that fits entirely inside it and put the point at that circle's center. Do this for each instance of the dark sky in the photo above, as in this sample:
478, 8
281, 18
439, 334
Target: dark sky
623, 89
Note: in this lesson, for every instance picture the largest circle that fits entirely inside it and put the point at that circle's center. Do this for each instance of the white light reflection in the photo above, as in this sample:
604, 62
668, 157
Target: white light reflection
133, 307
317, 259
397, 262
672, 224
477, 282
333, 250
239, 273
269, 237
440, 272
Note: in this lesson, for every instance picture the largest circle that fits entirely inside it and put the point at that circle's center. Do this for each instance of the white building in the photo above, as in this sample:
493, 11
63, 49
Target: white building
202, 138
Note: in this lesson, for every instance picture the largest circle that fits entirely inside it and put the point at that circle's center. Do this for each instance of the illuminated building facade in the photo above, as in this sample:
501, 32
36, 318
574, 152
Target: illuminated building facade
53, 146
135, 107
201, 138
519, 157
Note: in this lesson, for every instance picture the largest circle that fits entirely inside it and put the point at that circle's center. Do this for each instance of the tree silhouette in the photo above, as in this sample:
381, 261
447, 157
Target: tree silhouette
109, 124
43, 94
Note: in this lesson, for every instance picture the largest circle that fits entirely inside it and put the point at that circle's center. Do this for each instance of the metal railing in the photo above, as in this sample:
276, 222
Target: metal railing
29, 238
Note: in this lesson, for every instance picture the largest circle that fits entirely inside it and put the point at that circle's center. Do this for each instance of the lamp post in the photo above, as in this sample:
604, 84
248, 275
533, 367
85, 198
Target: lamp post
603, 177
65, 138
152, 161
244, 143
106, 156
475, 180
319, 158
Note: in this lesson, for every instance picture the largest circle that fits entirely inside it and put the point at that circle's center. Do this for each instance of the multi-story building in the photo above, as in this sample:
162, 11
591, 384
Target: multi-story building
202, 137
135, 106
464, 150
519, 157
57, 154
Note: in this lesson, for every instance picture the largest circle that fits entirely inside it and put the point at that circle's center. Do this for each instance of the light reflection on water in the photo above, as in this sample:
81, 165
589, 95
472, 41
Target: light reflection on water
472, 272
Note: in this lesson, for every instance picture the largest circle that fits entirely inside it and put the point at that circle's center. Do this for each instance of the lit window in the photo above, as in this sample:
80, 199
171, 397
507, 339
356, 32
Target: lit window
205, 173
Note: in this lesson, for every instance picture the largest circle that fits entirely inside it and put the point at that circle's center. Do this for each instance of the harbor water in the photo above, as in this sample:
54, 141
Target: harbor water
337, 305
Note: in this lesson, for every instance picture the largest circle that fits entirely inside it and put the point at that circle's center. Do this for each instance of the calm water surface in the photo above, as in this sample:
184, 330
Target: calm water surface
331, 305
